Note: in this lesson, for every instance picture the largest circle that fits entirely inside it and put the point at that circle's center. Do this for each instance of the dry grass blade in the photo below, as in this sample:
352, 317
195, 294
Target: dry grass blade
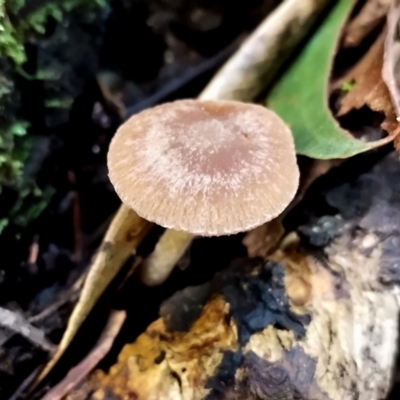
102, 347
18, 394
124, 234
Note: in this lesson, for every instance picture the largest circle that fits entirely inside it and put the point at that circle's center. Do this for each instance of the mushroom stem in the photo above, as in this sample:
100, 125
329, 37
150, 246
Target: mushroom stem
156, 268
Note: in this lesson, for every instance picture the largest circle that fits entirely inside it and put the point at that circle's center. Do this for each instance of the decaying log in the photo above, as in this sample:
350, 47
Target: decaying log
318, 320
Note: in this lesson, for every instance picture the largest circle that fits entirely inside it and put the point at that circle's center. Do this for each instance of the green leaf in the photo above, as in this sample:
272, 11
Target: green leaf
300, 96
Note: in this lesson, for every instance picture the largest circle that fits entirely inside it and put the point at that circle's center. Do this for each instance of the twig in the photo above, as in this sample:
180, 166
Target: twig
76, 219
34, 251
70, 296
25, 384
17, 323
248, 72
80, 371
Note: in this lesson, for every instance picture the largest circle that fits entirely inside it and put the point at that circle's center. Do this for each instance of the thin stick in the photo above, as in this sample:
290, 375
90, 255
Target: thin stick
25, 384
78, 373
248, 72
69, 297
17, 323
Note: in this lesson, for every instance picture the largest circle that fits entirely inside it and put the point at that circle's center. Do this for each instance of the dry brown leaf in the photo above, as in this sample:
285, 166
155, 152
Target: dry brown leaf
391, 63
77, 374
263, 239
369, 88
369, 17
391, 66
391, 70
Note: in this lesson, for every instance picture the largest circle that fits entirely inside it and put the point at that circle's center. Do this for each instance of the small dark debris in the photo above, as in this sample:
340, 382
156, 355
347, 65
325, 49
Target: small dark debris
259, 300
254, 291
160, 358
224, 377
322, 231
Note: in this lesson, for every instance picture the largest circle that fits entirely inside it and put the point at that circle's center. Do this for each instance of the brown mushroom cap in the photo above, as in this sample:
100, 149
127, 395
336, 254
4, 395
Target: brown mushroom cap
205, 167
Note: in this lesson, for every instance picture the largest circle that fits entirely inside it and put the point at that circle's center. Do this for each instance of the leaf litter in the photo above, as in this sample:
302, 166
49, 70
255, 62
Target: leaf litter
372, 14
369, 88
391, 64
305, 89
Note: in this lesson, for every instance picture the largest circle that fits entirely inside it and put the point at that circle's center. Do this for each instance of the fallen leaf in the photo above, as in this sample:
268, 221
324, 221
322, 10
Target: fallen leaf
300, 96
369, 88
263, 239
78, 373
391, 64
370, 16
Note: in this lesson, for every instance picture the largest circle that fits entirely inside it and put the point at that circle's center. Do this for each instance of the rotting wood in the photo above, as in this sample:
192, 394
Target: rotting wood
318, 320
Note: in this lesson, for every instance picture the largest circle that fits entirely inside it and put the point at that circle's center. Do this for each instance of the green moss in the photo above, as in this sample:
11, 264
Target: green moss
11, 43
65, 102
13, 29
21, 20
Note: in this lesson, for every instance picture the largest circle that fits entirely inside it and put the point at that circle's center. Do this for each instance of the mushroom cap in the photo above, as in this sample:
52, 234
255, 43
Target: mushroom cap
206, 167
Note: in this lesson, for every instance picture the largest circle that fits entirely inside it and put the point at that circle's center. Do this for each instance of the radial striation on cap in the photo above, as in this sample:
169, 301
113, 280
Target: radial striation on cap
205, 167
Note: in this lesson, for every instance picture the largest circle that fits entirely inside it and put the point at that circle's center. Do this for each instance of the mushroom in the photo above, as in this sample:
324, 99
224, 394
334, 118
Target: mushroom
202, 167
